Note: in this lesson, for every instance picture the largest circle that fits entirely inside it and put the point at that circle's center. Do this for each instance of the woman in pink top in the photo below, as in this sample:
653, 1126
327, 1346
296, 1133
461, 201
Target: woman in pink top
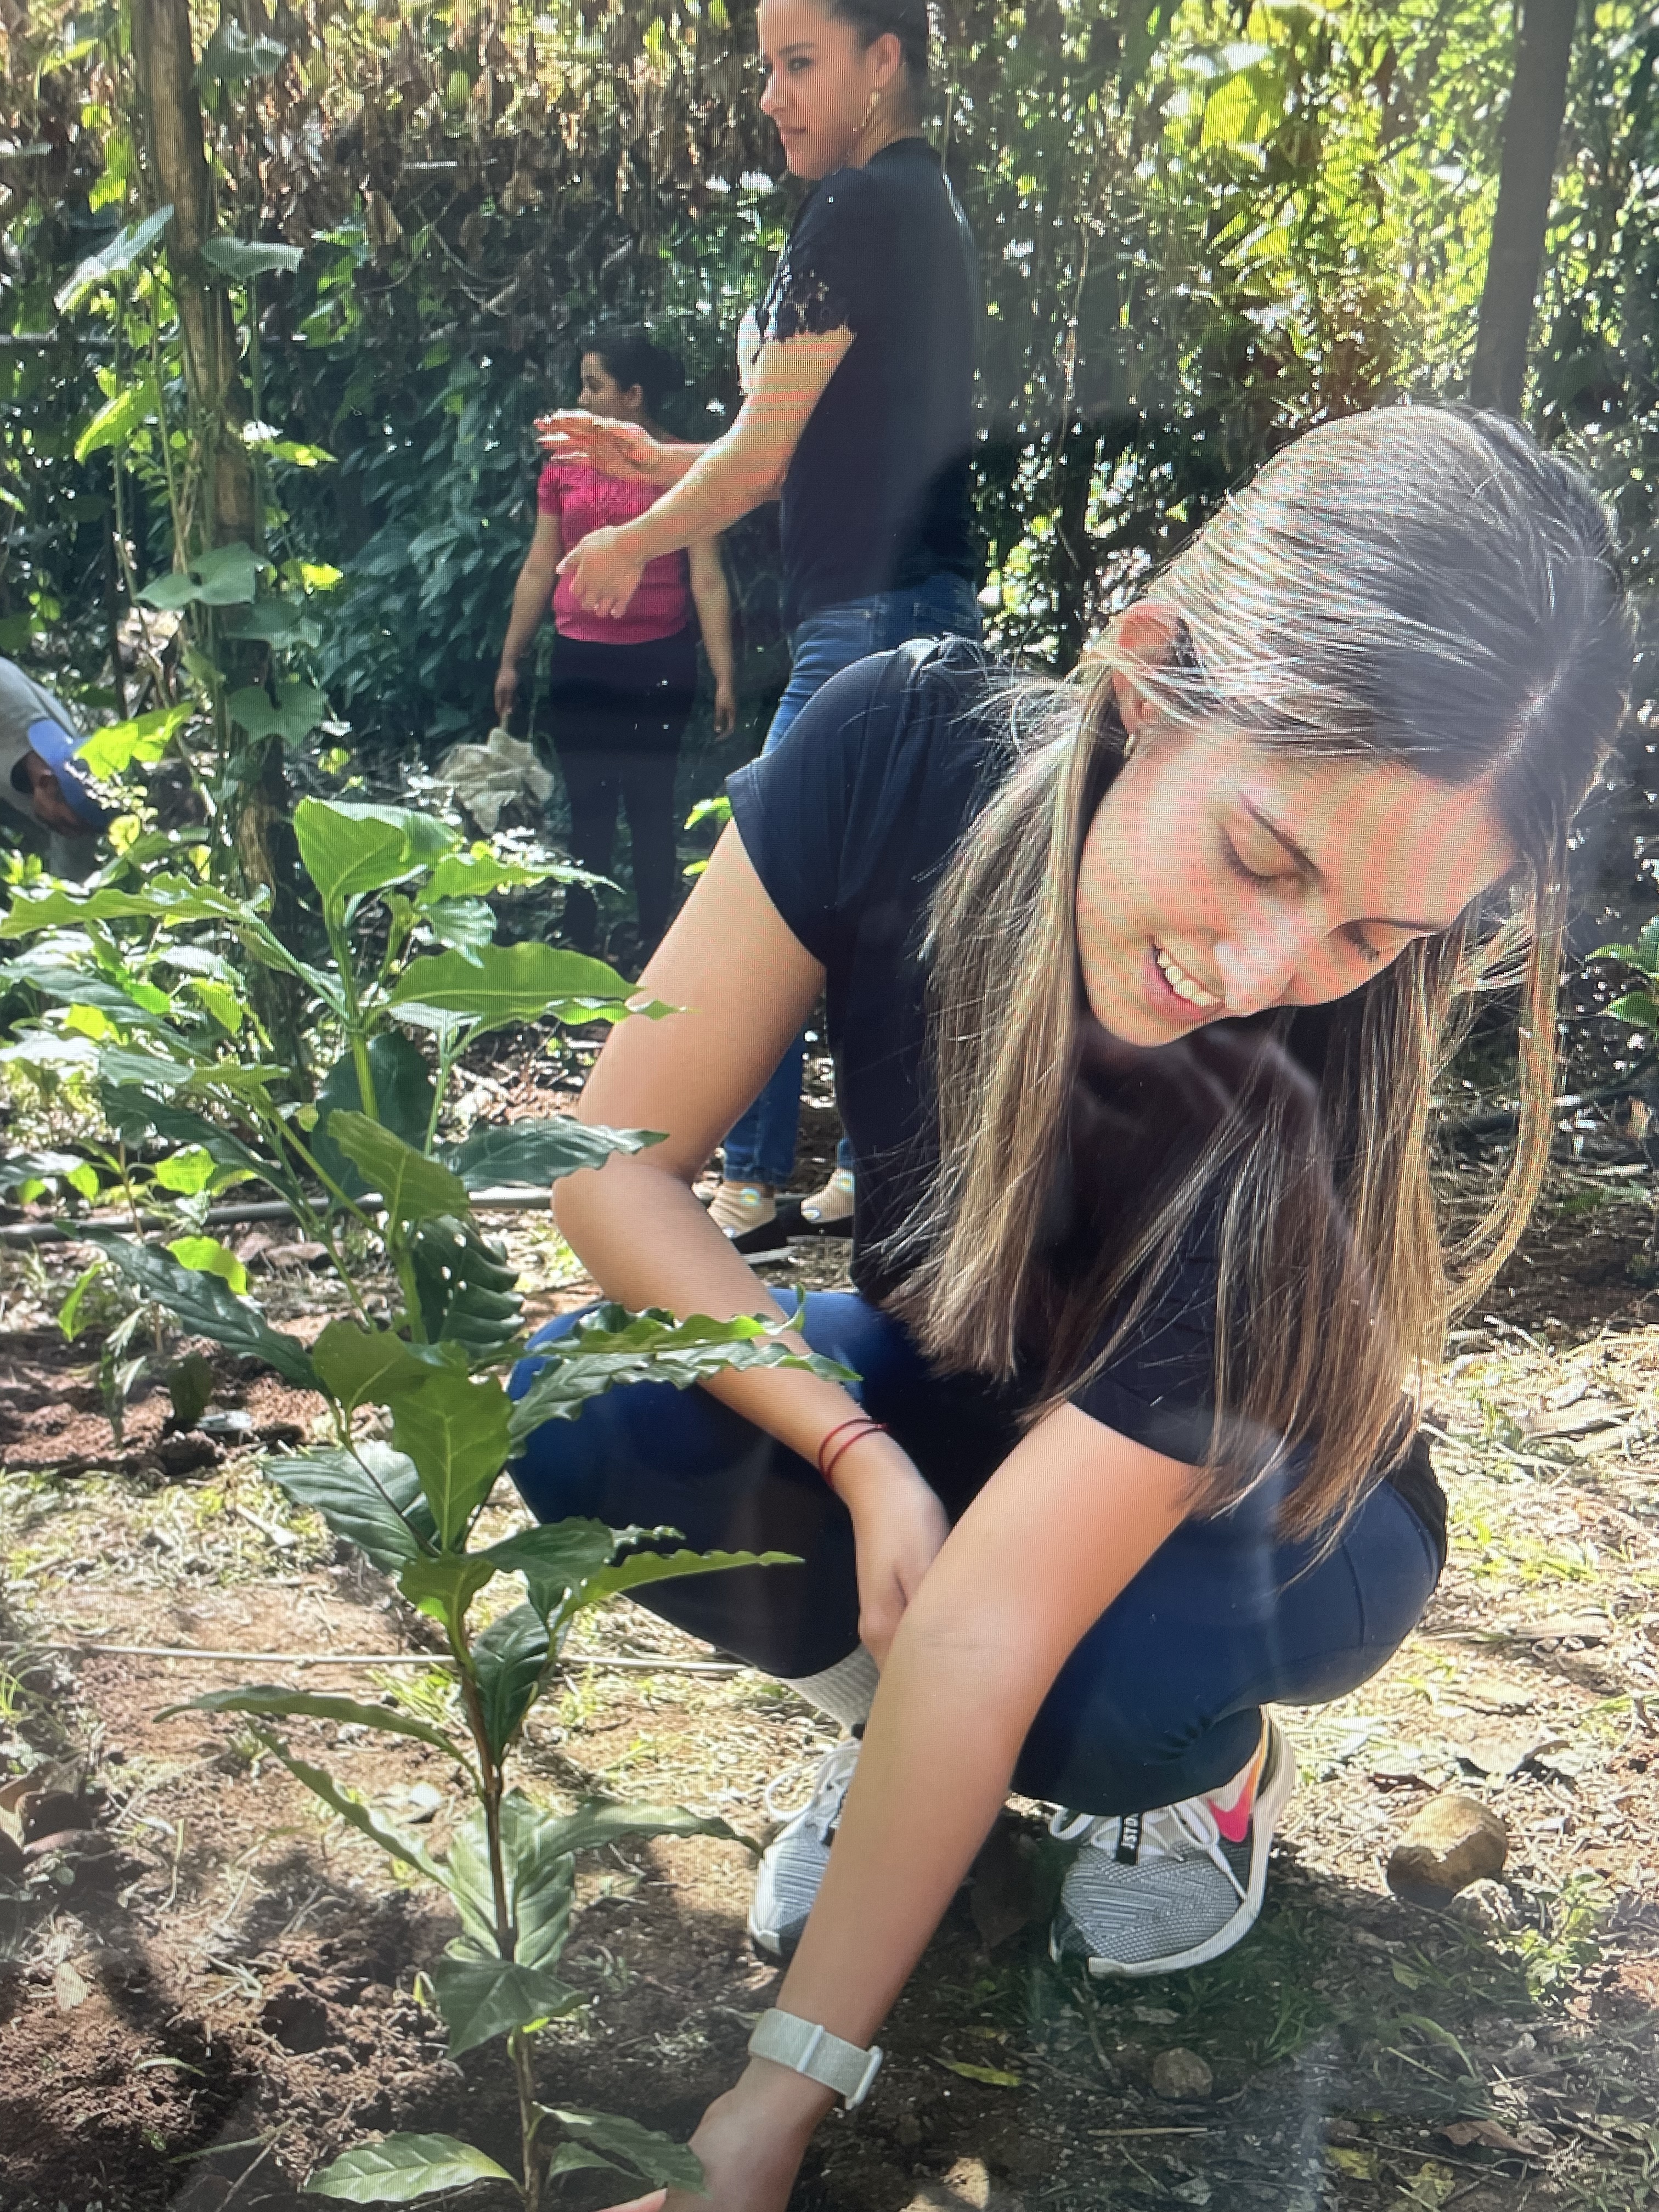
622, 685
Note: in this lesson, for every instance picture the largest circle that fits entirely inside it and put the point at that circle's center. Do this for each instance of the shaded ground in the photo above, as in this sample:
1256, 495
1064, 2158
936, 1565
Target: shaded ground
213, 1988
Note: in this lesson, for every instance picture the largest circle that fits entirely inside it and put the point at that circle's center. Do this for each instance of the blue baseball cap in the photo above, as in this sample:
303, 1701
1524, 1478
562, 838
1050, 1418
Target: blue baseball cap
57, 747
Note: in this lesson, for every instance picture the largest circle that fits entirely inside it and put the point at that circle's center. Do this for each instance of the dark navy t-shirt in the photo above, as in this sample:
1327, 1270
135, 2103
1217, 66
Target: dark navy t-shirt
848, 823
877, 494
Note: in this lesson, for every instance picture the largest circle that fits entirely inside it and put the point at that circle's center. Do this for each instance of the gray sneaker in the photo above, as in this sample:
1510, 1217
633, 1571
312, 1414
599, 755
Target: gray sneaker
1151, 1893
786, 1881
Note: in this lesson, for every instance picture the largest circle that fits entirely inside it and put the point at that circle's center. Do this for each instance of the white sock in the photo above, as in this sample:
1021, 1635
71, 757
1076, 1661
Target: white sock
844, 1691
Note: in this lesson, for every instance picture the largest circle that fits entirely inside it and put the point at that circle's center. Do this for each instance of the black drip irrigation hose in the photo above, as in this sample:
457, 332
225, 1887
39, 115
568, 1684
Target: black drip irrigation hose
1503, 1121
511, 1197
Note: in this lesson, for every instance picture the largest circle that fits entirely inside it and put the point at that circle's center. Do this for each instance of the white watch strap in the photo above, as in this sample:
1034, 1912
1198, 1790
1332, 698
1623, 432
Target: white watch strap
846, 2068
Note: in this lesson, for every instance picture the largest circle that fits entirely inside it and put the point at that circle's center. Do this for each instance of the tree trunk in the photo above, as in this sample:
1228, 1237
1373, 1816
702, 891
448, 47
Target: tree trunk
1073, 567
219, 476
173, 116
1532, 132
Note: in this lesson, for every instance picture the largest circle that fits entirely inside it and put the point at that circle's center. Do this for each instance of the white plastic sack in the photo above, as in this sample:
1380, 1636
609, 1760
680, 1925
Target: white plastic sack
488, 778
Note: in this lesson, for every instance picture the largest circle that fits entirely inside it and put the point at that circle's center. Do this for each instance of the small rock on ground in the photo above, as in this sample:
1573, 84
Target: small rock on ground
1455, 1840
1181, 2076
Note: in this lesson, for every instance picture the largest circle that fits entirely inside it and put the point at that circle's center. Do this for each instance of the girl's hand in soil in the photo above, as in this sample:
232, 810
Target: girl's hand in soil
752, 2141
898, 1528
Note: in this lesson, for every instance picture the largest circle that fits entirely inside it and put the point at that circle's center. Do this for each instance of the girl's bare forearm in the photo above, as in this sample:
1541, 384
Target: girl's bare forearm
713, 607
531, 597
939, 1754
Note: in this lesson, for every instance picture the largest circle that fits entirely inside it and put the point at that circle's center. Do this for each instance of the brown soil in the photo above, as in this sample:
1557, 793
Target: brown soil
208, 1988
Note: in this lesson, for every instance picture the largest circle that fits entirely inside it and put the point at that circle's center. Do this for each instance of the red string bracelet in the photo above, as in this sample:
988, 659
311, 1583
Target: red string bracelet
863, 1424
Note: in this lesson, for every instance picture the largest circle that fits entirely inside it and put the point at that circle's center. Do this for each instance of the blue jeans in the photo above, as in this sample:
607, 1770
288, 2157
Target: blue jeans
1160, 1700
760, 1146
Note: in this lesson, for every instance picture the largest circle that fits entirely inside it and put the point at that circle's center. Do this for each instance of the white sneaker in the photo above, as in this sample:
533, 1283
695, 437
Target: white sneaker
1151, 1893
786, 1881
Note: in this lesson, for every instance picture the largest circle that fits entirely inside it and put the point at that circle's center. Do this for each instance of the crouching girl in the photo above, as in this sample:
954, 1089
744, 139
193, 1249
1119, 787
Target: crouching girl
1138, 985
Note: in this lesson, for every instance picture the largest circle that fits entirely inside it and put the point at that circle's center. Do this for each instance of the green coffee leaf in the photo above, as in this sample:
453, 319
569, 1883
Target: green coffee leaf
554, 1559
664, 2162
509, 1657
190, 1387
480, 1998
467, 1289
540, 1152
205, 1305
571, 2158
189, 1173
456, 1430
350, 1808
475, 873
363, 1496
444, 1587
141, 1007
540, 1881
600, 1822
208, 1256
363, 1367
351, 850
465, 924
164, 899
612, 1347
68, 1314
270, 1701
642, 1567
133, 1114
403, 1093
403, 2168
412, 1187
515, 983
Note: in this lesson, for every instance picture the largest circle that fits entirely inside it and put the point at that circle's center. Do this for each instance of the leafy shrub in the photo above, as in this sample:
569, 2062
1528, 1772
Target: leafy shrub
139, 977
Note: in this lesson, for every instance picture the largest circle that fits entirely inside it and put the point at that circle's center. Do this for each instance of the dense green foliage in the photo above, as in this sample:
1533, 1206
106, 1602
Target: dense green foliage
1200, 227
136, 973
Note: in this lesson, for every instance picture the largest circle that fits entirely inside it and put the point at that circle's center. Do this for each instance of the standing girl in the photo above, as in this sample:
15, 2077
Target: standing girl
857, 372
623, 681
1139, 987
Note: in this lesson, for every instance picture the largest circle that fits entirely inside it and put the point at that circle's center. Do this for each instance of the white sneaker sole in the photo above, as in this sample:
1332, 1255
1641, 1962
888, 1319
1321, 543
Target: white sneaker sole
1279, 1786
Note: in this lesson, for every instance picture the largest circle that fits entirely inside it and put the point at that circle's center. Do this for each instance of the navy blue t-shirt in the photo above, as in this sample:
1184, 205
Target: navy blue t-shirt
848, 823
877, 494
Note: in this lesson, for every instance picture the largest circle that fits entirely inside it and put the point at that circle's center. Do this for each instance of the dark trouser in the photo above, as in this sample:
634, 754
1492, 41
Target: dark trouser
618, 713
1160, 1700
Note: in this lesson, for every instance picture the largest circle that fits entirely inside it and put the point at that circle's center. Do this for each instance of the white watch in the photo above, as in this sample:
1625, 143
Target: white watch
846, 2068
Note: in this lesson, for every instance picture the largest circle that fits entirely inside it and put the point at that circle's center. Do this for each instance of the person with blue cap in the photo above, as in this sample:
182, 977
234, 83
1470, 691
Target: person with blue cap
41, 776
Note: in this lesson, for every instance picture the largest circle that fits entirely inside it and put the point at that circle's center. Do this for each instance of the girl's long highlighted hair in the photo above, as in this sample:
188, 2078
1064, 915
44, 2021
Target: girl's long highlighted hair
1417, 584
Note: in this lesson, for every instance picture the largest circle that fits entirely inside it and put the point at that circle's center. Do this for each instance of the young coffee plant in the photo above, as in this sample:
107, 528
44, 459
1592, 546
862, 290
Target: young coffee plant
144, 1011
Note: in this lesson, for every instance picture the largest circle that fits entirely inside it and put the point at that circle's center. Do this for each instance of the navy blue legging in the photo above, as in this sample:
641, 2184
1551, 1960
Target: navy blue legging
1160, 1700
